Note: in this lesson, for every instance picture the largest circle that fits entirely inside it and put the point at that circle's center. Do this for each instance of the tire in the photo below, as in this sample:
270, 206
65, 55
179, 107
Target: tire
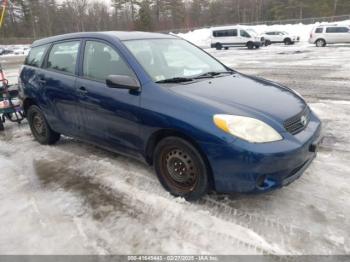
267, 42
320, 43
257, 46
41, 130
181, 169
287, 41
226, 48
218, 46
250, 45
2, 128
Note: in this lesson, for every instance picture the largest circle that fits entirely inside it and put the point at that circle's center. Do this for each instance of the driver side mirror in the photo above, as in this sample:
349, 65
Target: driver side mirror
123, 82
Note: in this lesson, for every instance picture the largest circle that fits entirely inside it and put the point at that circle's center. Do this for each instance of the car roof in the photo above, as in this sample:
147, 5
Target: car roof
226, 27
332, 25
121, 35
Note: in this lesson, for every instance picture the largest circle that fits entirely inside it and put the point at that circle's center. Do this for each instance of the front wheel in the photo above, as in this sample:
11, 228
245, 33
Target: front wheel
41, 130
181, 169
250, 45
287, 41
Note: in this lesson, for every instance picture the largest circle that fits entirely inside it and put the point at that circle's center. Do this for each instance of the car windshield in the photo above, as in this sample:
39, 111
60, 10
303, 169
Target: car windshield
173, 59
252, 31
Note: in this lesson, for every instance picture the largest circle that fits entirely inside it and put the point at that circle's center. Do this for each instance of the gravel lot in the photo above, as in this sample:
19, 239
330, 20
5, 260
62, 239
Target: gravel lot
73, 198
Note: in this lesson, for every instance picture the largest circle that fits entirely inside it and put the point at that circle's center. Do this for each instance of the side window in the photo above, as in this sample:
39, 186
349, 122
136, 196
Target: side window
234, 32
63, 57
225, 33
319, 30
331, 30
101, 60
337, 30
36, 56
244, 33
343, 30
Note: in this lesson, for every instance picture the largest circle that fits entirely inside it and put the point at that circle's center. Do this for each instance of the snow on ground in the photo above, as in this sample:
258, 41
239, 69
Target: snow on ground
73, 198
201, 37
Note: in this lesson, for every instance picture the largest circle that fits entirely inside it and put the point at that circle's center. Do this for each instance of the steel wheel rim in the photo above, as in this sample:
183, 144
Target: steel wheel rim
39, 124
180, 170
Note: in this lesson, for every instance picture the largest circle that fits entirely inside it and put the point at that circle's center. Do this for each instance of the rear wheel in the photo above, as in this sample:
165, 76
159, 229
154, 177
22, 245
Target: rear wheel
40, 128
218, 46
321, 43
181, 169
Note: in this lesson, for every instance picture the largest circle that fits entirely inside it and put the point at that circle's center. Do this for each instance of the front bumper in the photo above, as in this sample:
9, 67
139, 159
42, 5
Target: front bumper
244, 167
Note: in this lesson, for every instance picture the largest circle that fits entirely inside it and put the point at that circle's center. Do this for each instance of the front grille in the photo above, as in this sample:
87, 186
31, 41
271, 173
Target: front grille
298, 123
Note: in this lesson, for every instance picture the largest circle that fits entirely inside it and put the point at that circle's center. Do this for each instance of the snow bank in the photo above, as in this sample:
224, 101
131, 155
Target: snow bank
201, 37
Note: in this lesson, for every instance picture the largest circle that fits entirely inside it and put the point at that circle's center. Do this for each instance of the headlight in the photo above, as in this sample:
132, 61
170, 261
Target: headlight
246, 128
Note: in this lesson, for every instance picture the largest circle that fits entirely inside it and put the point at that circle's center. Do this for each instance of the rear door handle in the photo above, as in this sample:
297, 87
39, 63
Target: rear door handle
82, 90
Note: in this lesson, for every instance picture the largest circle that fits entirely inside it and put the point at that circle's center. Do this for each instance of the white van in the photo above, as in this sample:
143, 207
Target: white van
228, 36
330, 34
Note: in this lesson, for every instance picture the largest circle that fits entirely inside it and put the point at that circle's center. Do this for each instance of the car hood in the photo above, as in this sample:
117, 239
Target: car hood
244, 95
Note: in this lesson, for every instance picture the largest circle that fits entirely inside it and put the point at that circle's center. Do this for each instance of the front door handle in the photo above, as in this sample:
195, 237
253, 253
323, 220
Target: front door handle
42, 81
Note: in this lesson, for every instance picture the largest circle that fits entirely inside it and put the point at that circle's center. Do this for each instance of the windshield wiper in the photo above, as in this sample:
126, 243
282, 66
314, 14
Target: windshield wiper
175, 80
213, 74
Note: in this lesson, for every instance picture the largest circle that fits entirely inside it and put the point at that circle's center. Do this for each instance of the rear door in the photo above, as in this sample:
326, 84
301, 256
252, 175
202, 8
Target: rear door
58, 80
332, 34
110, 116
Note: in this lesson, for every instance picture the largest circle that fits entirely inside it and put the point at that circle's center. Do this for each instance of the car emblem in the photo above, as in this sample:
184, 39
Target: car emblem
303, 120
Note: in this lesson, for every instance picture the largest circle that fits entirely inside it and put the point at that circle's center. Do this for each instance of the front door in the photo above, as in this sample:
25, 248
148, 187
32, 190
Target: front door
110, 116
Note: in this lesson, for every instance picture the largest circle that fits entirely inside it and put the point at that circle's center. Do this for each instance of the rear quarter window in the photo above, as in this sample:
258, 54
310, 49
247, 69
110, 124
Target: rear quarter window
36, 56
319, 31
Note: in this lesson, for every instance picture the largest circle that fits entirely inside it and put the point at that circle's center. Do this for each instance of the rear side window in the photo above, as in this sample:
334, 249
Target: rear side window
337, 30
225, 33
36, 56
63, 57
319, 30
101, 60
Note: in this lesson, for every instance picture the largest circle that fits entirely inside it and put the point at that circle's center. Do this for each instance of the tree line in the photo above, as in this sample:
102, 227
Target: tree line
41, 18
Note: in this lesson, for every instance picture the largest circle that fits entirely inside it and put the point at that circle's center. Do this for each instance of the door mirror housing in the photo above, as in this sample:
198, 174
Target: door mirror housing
123, 82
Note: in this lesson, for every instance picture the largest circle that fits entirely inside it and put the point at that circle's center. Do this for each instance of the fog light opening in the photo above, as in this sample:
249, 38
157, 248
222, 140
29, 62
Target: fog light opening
261, 182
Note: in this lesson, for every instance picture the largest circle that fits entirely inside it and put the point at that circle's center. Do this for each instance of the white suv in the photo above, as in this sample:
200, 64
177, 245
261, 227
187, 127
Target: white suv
280, 37
330, 34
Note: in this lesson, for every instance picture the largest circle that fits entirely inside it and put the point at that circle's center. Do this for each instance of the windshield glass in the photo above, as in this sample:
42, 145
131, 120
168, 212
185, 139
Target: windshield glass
252, 31
172, 58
